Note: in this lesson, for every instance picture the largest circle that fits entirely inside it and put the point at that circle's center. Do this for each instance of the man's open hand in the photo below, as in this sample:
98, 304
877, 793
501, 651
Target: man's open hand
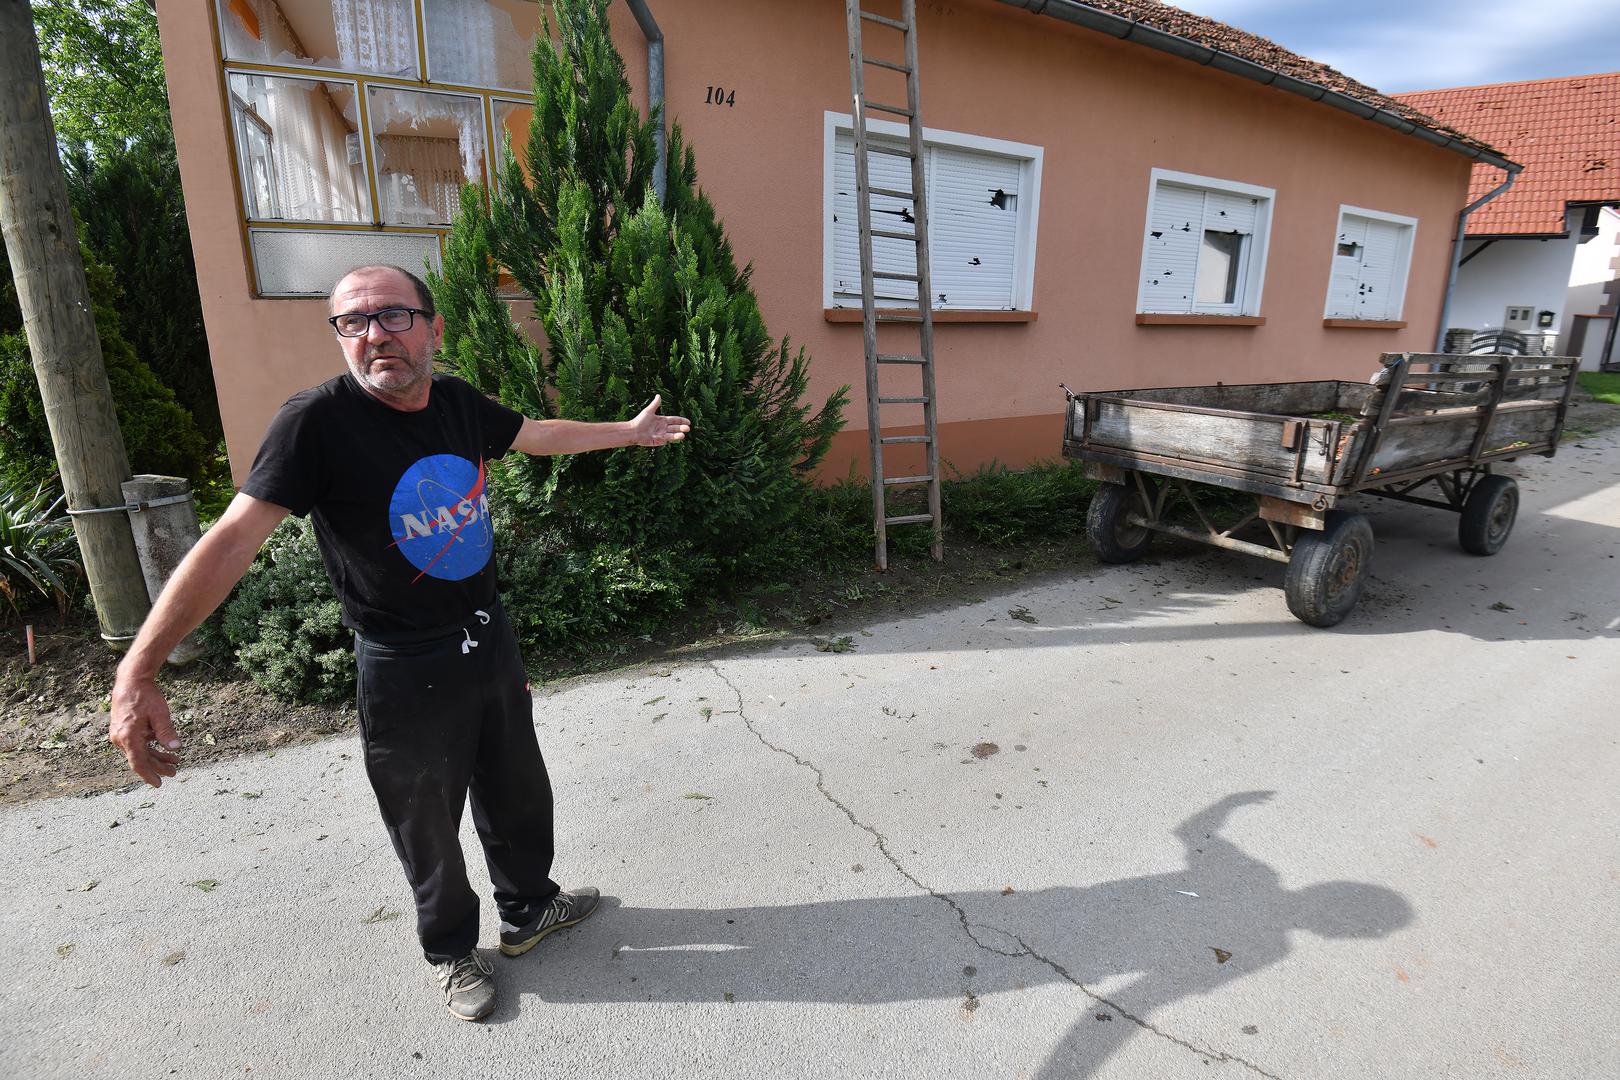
142, 729
650, 429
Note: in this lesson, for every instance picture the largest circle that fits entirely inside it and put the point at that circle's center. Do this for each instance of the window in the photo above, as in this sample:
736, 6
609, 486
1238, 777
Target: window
983, 197
1372, 252
1205, 248
344, 151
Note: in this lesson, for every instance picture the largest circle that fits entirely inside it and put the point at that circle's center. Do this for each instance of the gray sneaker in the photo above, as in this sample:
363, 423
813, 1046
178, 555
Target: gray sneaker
566, 909
468, 985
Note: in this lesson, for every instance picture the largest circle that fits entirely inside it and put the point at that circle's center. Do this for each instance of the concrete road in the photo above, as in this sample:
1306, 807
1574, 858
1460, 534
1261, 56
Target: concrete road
1152, 828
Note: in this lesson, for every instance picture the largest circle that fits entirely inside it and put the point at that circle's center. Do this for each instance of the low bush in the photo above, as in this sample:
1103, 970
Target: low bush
284, 625
39, 555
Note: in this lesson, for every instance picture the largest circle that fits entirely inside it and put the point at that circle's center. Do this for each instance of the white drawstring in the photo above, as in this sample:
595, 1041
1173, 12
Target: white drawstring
469, 645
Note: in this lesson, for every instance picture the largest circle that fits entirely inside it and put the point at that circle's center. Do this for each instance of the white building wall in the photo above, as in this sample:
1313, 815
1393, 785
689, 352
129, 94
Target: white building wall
1514, 273
1594, 268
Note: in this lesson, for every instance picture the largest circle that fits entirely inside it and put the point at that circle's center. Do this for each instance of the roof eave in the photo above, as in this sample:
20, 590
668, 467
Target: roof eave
1118, 26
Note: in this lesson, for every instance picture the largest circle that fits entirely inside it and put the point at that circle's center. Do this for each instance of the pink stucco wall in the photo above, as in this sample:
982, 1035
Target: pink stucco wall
1105, 112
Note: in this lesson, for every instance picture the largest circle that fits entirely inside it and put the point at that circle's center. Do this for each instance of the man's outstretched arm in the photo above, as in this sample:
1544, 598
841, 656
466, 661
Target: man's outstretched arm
575, 437
140, 714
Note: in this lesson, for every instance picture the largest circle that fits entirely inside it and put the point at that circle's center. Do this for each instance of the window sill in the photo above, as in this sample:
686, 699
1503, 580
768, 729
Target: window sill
1144, 319
941, 315
1365, 324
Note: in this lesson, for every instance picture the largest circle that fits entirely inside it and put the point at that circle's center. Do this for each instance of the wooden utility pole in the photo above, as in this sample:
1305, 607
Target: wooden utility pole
44, 249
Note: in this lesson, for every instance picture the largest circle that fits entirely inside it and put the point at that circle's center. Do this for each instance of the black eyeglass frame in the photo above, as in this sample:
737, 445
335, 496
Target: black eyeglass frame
376, 316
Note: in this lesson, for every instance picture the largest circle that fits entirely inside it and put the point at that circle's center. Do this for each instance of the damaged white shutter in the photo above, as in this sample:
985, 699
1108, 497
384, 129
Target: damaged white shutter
1376, 297
1170, 256
973, 228
1349, 249
895, 215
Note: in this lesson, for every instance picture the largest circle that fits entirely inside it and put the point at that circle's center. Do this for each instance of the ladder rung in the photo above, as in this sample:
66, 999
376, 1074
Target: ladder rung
845, 293
884, 20
902, 401
892, 151
894, 109
897, 358
891, 481
886, 64
893, 193
883, 317
892, 235
908, 519
906, 439
890, 275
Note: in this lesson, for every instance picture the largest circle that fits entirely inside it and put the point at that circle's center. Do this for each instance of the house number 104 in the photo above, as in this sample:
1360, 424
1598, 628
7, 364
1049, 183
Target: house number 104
719, 95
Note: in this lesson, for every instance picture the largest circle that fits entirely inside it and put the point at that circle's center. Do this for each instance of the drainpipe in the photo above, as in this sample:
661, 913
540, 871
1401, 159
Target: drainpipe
655, 86
1457, 246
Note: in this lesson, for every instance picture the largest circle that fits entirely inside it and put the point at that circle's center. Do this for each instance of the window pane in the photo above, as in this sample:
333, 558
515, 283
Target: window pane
291, 263
427, 146
367, 36
297, 147
512, 130
482, 42
1218, 267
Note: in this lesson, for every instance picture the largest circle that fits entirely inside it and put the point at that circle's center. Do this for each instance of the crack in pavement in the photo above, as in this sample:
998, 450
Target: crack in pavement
961, 915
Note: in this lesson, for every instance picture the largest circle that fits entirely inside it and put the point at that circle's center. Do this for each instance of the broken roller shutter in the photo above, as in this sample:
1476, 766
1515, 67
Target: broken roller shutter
889, 255
1349, 248
1170, 257
973, 228
1375, 295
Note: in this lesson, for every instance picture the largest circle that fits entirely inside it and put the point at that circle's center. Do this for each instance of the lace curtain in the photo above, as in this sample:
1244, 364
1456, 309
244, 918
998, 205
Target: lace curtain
419, 179
474, 43
376, 35
314, 180
392, 111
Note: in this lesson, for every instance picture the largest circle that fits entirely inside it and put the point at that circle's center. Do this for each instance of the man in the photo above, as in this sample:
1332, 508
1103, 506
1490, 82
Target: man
390, 461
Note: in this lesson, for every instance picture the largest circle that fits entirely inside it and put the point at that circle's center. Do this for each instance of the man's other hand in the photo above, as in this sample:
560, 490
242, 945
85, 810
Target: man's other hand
650, 429
142, 729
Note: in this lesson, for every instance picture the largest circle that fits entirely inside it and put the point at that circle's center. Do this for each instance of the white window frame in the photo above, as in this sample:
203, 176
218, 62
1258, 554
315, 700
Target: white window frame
1403, 258
1030, 158
1253, 273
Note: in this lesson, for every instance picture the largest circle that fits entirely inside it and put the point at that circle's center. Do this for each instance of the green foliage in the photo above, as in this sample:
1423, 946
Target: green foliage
285, 626
103, 69
38, 551
159, 435
635, 298
999, 506
133, 218
1603, 386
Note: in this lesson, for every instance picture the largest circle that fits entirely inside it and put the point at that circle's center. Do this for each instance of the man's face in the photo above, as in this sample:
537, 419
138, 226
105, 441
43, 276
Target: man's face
396, 367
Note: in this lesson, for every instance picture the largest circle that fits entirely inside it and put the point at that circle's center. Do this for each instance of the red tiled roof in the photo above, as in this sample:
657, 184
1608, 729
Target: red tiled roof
1566, 132
1211, 34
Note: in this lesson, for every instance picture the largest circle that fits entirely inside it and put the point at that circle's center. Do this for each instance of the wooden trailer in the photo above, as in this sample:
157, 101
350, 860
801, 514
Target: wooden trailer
1427, 429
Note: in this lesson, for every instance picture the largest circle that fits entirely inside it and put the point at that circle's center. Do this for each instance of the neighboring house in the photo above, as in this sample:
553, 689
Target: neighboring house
1542, 258
1122, 194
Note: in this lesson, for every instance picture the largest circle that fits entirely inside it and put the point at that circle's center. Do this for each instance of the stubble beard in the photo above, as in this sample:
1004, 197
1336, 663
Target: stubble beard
397, 382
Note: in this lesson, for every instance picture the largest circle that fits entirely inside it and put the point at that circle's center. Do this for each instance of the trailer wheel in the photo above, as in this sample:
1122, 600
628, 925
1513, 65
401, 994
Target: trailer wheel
1488, 515
1117, 540
1327, 569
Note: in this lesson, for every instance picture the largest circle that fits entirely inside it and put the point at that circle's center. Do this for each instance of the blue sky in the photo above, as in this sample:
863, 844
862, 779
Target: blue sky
1401, 45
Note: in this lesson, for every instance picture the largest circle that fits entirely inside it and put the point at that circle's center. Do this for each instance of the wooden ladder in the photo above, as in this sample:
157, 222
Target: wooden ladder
923, 319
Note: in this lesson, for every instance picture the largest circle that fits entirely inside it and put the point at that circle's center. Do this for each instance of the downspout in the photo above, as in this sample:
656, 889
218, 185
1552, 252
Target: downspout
655, 86
1457, 246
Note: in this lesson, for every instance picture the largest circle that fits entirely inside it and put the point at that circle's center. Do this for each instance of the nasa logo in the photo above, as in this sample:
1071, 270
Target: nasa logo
439, 517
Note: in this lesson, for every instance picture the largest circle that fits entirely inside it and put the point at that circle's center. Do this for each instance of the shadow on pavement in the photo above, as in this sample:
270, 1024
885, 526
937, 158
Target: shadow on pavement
1171, 935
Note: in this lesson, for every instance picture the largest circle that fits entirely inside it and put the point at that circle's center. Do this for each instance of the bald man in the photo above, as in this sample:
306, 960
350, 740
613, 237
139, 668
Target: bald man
389, 460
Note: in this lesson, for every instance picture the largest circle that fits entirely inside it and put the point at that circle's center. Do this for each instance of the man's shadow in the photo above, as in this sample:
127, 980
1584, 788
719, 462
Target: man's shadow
1174, 935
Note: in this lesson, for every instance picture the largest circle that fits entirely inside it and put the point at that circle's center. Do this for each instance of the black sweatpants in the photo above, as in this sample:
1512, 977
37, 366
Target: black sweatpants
438, 719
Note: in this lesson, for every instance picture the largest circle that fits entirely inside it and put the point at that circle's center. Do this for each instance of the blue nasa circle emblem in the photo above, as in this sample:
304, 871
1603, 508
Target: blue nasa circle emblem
439, 517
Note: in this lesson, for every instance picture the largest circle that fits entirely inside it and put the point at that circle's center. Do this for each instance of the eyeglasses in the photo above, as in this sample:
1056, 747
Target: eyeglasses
395, 320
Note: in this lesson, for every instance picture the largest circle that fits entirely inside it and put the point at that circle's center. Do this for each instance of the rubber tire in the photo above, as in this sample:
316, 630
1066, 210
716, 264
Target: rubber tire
1328, 568
1488, 515
1114, 539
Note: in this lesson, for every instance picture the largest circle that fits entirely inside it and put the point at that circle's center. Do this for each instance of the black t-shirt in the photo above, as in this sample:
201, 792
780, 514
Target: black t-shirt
398, 499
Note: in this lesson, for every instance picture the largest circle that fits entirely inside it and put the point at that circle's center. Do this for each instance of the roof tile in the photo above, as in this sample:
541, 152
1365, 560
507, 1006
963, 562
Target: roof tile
1566, 133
